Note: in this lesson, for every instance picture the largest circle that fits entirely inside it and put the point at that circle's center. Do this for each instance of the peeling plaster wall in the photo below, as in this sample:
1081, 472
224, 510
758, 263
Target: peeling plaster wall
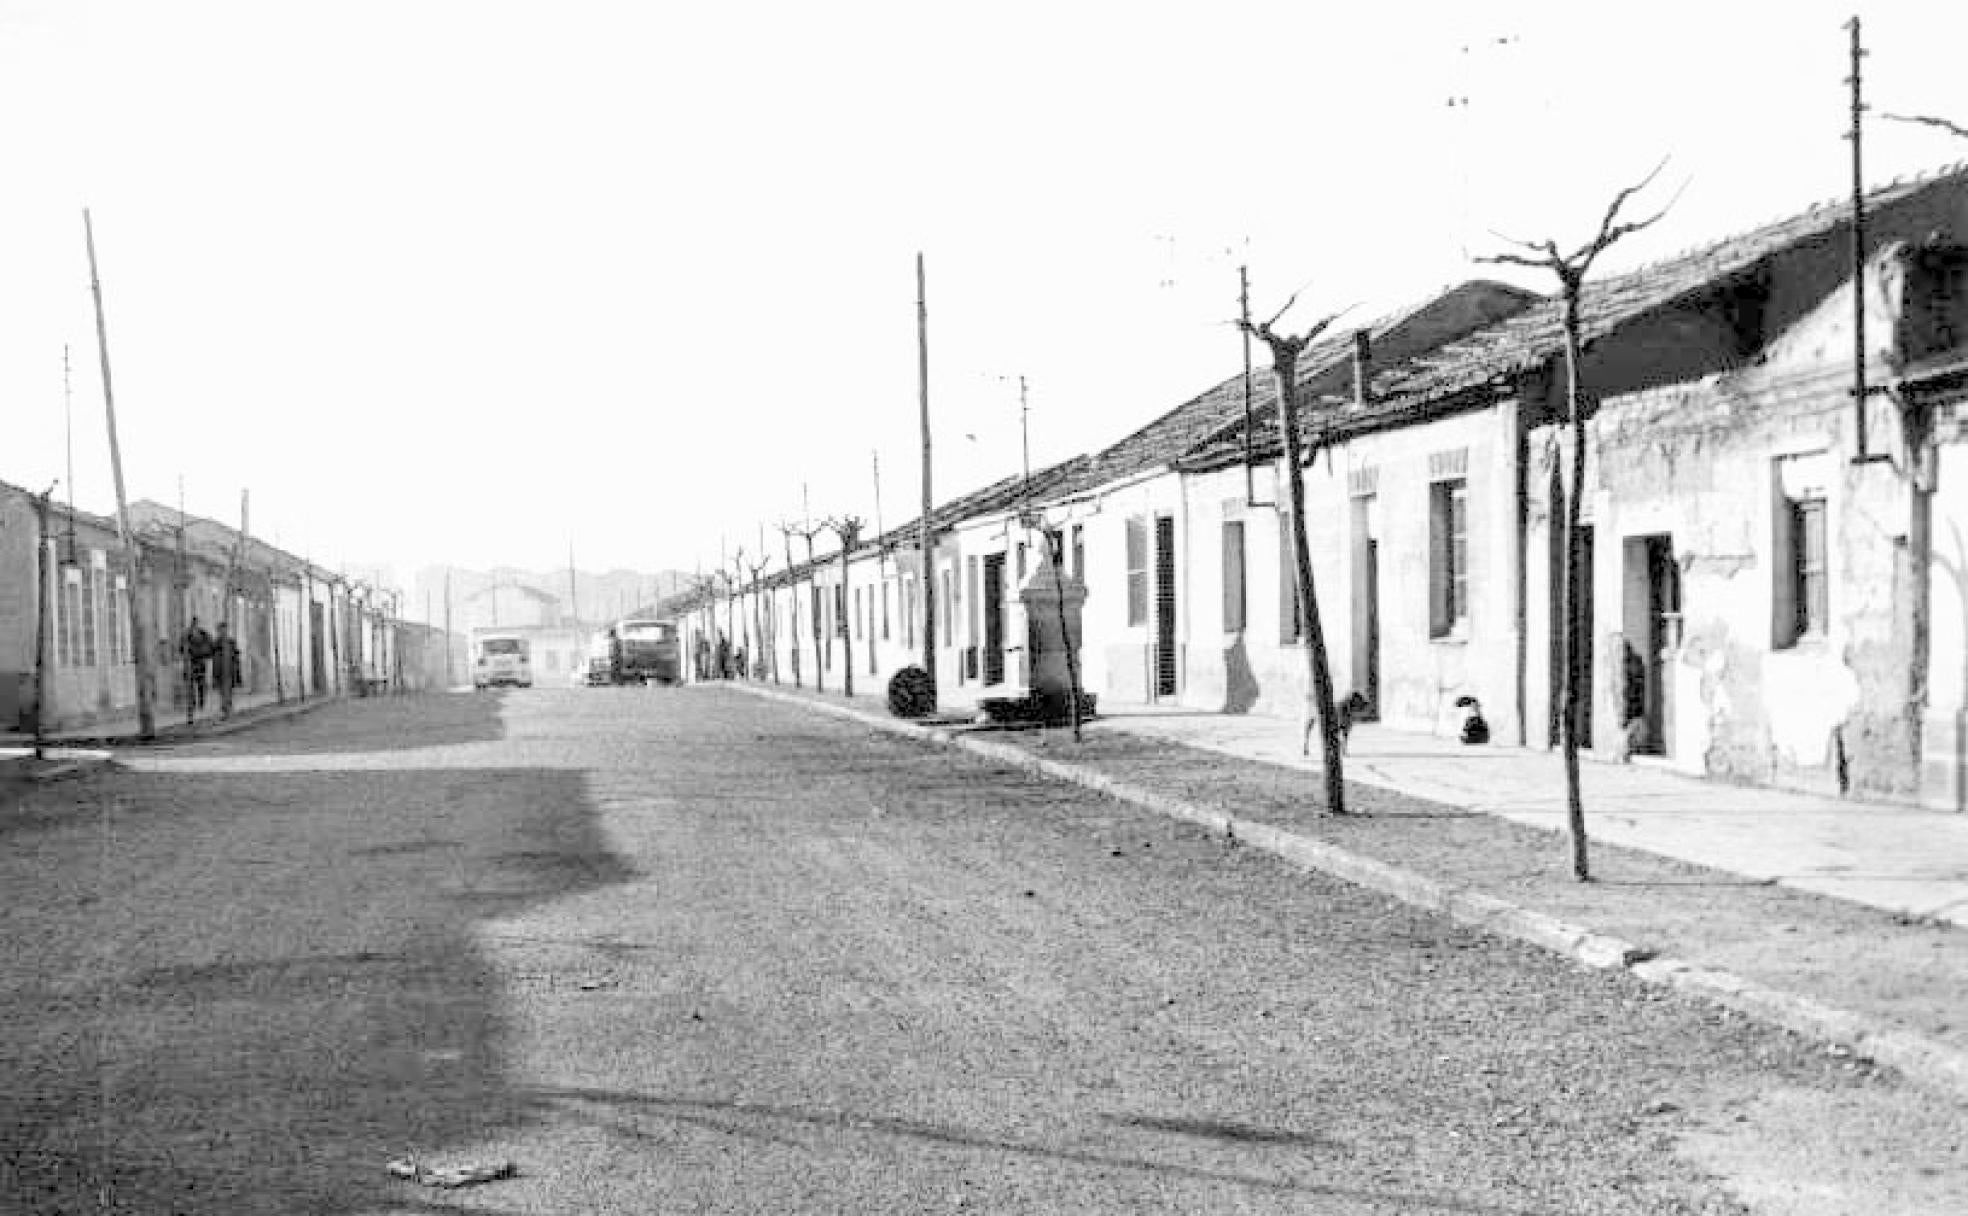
1698, 462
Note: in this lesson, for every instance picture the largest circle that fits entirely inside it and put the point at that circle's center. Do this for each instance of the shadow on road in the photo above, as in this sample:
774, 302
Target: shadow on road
379, 724
246, 993
619, 1114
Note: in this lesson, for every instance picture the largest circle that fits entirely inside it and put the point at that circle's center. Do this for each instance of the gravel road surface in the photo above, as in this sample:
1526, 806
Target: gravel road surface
691, 951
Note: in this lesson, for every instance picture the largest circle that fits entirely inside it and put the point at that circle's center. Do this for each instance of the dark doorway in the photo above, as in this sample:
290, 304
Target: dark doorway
1653, 633
993, 606
1587, 628
317, 646
1165, 664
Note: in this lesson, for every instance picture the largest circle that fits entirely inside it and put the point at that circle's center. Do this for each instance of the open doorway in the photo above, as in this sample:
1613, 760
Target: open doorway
1652, 627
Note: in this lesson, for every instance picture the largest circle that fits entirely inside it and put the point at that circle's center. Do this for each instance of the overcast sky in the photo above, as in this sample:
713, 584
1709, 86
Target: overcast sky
471, 281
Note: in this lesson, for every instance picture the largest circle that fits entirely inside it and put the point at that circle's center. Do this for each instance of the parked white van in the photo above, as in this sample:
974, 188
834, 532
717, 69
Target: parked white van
501, 660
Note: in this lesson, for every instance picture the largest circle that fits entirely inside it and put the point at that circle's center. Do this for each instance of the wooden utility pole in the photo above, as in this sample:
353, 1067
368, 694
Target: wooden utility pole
1858, 244
44, 593
1285, 350
1571, 271
139, 634
927, 575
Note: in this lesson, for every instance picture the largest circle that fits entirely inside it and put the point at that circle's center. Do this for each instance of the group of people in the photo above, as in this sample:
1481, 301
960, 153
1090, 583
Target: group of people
209, 659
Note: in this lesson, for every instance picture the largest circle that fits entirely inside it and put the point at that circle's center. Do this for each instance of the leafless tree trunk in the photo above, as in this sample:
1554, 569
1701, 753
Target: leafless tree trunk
1055, 541
814, 610
848, 530
767, 660
1571, 271
792, 588
1285, 350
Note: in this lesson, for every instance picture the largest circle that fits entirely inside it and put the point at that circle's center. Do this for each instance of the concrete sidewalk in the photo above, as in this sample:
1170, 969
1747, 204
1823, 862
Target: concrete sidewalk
169, 722
1905, 860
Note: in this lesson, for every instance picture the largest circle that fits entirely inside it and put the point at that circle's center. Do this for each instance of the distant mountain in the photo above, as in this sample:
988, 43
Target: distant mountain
507, 595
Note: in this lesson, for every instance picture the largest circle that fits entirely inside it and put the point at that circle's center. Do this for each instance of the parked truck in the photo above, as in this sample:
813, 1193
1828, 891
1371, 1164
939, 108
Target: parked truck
636, 650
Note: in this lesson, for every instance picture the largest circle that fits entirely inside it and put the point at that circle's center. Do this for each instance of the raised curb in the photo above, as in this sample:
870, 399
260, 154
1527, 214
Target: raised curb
1925, 1062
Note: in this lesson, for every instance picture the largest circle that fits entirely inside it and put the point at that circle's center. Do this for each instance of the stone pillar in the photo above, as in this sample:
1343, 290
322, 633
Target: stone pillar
1052, 599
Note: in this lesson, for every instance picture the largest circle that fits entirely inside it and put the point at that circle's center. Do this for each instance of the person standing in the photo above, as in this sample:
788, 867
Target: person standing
197, 654
225, 668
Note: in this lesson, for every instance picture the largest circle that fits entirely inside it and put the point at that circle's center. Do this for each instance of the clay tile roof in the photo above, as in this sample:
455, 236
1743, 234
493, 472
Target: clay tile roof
1530, 338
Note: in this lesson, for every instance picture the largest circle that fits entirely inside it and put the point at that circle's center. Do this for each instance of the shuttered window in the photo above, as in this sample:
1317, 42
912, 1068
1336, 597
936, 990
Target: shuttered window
1233, 576
1137, 571
1448, 557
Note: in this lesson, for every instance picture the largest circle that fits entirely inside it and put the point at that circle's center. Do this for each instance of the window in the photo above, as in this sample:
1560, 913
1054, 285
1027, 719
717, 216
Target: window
1021, 562
119, 622
68, 619
1233, 576
975, 599
885, 585
1807, 561
949, 597
1802, 590
1079, 552
909, 613
840, 610
1448, 558
1137, 571
91, 605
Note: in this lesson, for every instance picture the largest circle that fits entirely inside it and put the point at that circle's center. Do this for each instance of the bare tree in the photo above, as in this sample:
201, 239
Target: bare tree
1571, 270
788, 531
762, 618
846, 529
1928, 120
813, 601
1285, 350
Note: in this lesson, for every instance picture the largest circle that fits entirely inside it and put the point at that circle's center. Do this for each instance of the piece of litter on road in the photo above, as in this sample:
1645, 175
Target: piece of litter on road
452, 1176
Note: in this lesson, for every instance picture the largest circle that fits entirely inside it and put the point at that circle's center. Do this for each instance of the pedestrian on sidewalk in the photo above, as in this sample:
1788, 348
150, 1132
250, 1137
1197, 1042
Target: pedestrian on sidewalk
197, 648
225, 668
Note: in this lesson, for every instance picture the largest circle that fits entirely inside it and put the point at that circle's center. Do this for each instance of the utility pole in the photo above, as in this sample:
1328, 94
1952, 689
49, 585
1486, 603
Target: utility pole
573, 587
68, 440
1025, 442
1250, 416
1858, 248
449, 676
139, 636
923, 539
44, 593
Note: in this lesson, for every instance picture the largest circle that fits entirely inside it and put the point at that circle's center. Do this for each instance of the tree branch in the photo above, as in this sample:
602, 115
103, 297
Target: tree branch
1930, 121
1610, 233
